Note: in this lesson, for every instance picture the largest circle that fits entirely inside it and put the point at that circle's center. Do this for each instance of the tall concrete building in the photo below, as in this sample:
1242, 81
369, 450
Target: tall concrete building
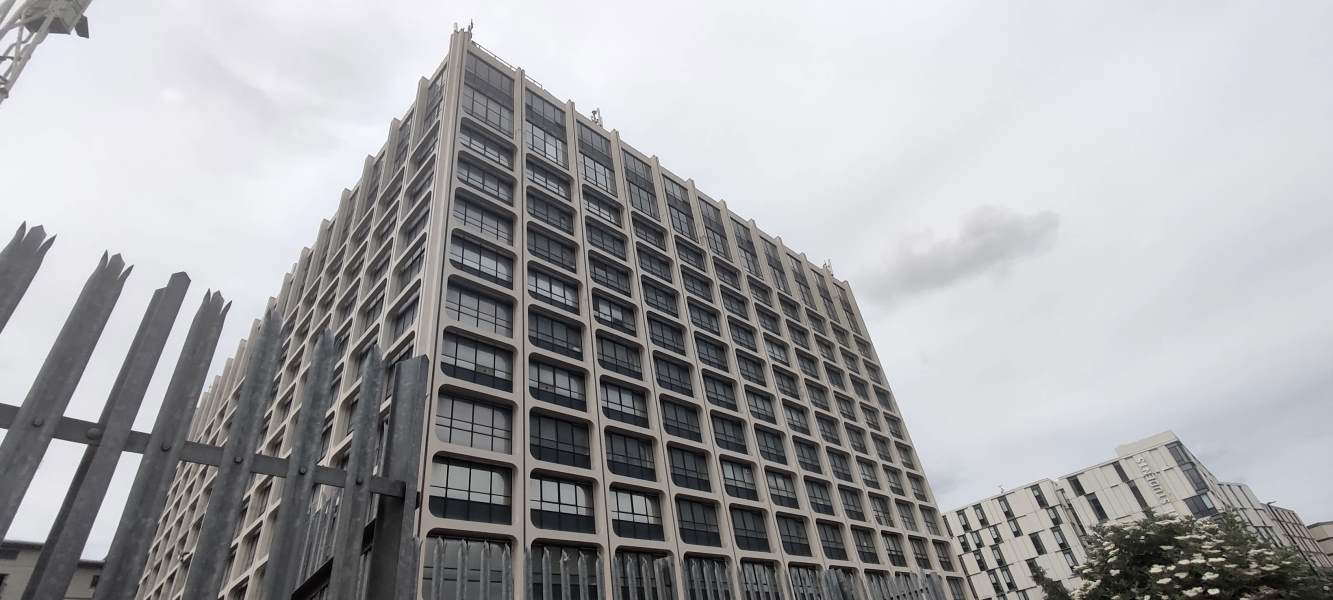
1005, 538
634, 386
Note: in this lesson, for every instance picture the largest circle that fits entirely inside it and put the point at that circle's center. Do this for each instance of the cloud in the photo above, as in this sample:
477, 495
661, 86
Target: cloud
990, 239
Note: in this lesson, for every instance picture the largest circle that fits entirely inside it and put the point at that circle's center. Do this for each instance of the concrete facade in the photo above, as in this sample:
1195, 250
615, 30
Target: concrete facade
625, 369
1322, 532
18, 560
1157, 474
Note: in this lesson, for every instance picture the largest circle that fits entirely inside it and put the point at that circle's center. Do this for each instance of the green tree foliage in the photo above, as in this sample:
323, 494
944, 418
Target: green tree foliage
1168, 557
1052, 589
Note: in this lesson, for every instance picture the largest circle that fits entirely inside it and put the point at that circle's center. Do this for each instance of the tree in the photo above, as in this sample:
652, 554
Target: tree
1052, 589
1167, 557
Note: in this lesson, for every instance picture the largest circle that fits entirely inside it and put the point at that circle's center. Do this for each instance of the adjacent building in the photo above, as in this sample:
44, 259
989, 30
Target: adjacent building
1005, 538
1322, 532
19, 559
633, 383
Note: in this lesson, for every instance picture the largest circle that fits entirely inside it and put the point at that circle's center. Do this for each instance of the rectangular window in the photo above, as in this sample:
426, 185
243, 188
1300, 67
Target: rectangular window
560, 504
544, 144
666, 335
609, 275
553, 384
483, 222
791, 530
697, 286
748, 525
865, 545
555, 335
770, 445
797, 419
660, 298
689, 469
544, 131
1096, 506
636, 515
738, 480
553, 289
830, 538
851, 503
743, 335
907, 515
1037, 545
605, 210
489, 111
483, 180
469, 491
554, 250
630, 456
473, 423
483, 144
654, 263
691, 254
624, 404
711, 353
880, 507
559, 441
681, 420
698, 523
674, 376
761, 406
478, 362
820, 499
893, 547
729, 434
782, 489
548, 181
607, 241
751, 369
807, 455
618, 357
481, 261
562, 572
551, 213
719, 392
649, 233
705, 319
613, 314
479, 310
678, 208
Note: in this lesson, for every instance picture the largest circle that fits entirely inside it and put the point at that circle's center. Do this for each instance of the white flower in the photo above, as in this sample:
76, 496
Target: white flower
1209, 576
1182, 574
1214, 591
1164, 581
1192, 592
1155, 569
1115, 572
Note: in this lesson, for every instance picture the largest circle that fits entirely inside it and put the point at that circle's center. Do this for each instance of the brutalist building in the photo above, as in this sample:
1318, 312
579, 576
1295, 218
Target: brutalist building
636, 393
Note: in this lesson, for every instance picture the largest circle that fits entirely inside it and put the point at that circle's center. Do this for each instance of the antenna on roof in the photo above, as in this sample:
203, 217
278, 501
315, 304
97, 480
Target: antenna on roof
597, 116
469, 25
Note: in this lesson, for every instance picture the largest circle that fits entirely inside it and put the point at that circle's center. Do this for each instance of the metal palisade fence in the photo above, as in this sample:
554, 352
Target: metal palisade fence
319, 546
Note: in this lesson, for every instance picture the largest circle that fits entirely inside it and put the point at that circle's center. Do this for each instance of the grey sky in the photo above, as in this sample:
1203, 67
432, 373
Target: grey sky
1080, 223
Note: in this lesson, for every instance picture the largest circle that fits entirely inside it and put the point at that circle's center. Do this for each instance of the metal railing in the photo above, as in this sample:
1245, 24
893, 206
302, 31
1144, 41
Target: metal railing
320, 548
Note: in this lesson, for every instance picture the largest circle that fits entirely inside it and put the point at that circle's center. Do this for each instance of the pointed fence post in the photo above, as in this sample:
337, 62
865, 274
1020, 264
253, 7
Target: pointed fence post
393, 574
293, 518
220, 518
350, 531
60, 554
148, 495
19, 261
34, 425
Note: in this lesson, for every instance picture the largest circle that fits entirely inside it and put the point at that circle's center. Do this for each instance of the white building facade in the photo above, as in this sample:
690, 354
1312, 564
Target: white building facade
1004, 538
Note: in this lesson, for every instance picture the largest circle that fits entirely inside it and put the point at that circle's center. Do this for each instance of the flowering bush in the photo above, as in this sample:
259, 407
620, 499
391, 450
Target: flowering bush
1168, 557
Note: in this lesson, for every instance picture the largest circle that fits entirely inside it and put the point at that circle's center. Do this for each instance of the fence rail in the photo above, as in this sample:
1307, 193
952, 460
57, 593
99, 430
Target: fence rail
313, 549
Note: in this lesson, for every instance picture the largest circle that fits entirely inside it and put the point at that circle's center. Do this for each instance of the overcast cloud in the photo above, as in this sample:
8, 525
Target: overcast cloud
1070, 224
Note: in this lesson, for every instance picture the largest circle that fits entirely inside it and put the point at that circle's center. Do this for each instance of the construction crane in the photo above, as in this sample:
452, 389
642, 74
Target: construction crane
24, 27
